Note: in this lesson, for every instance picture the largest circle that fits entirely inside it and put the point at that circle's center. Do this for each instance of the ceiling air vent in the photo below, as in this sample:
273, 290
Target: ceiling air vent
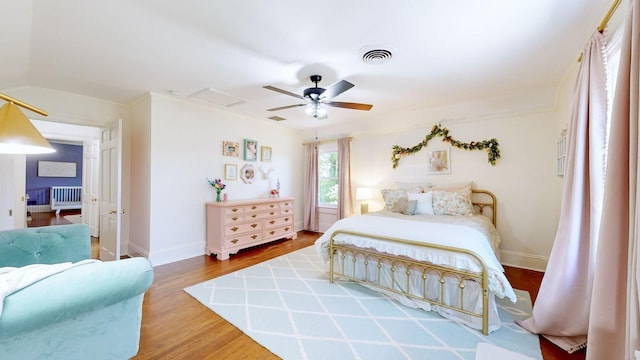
376, 55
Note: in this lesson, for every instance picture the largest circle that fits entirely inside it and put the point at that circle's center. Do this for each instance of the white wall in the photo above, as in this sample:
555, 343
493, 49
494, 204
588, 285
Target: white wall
185, 148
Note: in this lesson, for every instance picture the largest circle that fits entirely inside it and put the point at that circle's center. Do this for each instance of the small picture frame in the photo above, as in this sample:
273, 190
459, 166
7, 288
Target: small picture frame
439, 161
248, 173
230, 148
265, 153
230, 172
250, 150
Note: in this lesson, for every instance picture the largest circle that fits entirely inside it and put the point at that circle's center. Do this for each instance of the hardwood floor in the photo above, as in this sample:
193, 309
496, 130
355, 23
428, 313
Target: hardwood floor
176, 326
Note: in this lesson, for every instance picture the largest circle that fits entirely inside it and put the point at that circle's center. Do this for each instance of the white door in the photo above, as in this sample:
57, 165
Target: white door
13, 204
6, 192
110, 191
90, 185
20, 191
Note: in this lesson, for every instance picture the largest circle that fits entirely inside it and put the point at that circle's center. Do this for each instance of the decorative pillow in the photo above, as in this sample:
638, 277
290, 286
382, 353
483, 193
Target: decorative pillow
405, 206
453, 202
391, 196
424, 200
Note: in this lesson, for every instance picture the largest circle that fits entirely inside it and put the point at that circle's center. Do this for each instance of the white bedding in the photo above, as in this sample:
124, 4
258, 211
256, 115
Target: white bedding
474, 233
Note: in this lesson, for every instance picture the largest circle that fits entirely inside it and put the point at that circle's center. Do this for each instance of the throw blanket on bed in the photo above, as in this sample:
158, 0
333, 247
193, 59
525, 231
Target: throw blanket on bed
13, 279
455, 235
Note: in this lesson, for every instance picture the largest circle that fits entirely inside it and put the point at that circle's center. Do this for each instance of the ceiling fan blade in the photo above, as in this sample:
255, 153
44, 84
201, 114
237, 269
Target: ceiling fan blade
336, 89
269, 87
349, 105
286, 107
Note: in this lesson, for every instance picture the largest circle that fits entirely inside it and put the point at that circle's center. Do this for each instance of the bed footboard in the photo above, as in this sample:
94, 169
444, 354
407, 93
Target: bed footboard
408, 277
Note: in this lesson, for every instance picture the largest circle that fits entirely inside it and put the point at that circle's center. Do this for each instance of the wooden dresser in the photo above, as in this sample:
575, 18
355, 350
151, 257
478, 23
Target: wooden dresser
235, 225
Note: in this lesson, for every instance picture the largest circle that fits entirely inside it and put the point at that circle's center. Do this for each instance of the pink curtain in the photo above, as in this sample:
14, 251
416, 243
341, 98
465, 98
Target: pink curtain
311, 219
561, 310
613, 322
345, 205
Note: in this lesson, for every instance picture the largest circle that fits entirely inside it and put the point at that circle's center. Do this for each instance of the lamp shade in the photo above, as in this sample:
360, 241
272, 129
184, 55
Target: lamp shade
364, 193
18, 135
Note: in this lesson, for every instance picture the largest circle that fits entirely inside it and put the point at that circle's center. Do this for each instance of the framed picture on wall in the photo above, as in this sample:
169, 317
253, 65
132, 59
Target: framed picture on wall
250, 150
230, 172
265, 153
230, 148
439, 161
57, 169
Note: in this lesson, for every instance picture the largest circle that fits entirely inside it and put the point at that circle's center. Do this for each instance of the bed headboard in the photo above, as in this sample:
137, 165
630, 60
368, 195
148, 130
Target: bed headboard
485, 203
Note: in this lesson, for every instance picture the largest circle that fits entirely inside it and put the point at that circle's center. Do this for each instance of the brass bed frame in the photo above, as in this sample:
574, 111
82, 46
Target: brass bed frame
374, 261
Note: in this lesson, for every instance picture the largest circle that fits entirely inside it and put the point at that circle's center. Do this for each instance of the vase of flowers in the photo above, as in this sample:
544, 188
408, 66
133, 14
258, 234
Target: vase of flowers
218, 186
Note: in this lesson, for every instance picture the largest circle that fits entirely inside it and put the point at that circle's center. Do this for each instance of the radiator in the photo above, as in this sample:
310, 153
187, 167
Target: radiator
66, 197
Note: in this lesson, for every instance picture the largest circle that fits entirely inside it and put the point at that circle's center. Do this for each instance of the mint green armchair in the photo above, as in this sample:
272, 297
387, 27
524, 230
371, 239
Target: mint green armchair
91, 311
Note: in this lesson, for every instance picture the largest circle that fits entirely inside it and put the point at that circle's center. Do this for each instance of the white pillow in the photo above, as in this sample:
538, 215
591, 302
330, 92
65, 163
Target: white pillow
425, 205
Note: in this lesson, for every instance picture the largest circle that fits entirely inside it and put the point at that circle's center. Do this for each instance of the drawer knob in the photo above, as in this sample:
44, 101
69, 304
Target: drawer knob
286, 219
254, 236
271, 213
234, 241
235, 228
271, 232
272, 222
286, 204
234, 209
272, 205
234, 218
254, 216
254, 225
254, 207
286, 229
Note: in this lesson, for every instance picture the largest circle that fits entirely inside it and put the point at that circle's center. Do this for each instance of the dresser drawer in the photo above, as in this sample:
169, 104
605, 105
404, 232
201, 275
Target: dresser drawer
277, 233
233, 219
255, 208
232, 230
278, 222
242, 240
263, 215
234, 210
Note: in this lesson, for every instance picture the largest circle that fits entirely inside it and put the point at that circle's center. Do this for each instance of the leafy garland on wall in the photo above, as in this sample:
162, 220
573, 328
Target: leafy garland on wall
491, 145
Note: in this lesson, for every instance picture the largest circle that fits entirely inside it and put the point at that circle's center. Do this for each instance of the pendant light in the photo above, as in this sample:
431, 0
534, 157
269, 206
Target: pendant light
17, 133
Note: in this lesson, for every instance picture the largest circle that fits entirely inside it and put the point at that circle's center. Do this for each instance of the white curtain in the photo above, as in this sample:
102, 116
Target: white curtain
614, 318
561, 310
345, 205
311, 216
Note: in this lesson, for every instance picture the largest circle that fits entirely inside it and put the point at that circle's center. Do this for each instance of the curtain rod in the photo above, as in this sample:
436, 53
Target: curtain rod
325, 141
605, 19
8, 98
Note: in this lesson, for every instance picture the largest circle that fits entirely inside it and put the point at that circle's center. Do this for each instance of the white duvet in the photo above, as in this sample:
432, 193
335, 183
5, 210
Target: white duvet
453, 231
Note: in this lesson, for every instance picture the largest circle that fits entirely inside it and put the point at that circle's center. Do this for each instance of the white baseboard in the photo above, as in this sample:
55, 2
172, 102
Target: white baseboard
523, 261
174, 254
39, 208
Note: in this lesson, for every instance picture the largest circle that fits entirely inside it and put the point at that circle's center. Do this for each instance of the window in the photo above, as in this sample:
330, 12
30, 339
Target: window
328, 174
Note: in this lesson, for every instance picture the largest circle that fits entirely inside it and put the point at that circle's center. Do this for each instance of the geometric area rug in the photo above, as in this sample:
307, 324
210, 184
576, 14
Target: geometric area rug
288, 305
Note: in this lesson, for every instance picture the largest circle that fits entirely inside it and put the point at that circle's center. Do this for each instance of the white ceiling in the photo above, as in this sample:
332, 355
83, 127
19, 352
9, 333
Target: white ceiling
443, 51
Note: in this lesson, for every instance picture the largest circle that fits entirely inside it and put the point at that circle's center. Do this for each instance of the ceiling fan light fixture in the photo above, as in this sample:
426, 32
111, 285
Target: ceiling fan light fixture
315, 110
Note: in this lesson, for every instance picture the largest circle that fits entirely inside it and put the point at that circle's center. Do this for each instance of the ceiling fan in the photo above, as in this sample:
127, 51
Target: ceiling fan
316, 97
